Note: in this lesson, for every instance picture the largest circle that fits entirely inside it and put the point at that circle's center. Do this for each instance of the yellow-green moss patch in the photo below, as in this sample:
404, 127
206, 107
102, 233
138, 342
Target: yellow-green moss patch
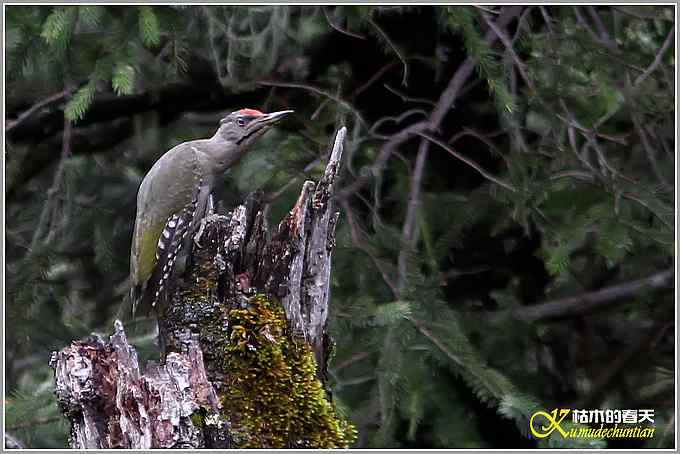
198, 418
274, 398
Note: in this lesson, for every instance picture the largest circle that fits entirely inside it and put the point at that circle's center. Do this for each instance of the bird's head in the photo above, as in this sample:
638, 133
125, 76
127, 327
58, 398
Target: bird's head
237, 133
242, 128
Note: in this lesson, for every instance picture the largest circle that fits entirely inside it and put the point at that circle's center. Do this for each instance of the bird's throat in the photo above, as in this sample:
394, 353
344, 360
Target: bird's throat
247, 135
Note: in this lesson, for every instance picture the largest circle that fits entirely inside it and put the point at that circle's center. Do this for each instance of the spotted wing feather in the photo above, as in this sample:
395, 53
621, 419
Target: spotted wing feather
175, 240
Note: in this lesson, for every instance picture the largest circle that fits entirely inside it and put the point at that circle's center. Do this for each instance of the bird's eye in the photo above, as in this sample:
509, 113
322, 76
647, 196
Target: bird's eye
241, 121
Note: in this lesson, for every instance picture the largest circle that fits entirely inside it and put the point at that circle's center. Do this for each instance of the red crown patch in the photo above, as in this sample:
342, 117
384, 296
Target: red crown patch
250, 112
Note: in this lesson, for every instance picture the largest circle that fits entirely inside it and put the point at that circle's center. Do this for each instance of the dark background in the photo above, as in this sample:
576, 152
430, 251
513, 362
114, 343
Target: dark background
499, 159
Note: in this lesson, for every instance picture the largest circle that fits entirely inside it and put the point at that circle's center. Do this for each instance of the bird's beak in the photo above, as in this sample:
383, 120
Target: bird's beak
266, 120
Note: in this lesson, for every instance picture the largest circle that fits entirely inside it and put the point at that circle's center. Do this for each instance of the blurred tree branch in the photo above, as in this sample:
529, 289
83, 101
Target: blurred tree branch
446, 101
574, 306
658, 58
44, 103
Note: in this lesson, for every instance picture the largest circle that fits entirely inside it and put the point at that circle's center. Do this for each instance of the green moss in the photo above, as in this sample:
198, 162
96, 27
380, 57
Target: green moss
275, 399
198, 418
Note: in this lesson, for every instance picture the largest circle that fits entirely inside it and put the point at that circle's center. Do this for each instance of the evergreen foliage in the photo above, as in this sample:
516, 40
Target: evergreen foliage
576, 122
464, 22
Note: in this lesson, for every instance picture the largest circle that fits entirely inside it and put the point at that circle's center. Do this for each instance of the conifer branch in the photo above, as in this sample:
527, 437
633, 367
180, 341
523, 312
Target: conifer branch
444, 104
601, 29
395, 48
640, 15
649, 151
576, 306
378, 74
469, 162
597, 392
547, 19
45, 223
658, 58
386, 151
336, 27
521, 66
317, 90
406, 98
420, 326
11, 124
584, 24
359, 243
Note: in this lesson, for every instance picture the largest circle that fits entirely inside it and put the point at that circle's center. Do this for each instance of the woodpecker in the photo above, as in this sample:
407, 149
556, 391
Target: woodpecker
177, 193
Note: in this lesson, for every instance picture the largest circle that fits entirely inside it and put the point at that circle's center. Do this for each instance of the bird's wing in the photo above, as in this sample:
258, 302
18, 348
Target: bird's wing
167, 188
174, 246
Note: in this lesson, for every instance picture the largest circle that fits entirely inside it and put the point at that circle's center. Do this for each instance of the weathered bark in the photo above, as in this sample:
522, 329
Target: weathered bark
221, 321
110, 404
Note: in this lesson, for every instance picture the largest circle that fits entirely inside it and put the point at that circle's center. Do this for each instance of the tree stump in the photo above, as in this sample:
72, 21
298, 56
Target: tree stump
244, 343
